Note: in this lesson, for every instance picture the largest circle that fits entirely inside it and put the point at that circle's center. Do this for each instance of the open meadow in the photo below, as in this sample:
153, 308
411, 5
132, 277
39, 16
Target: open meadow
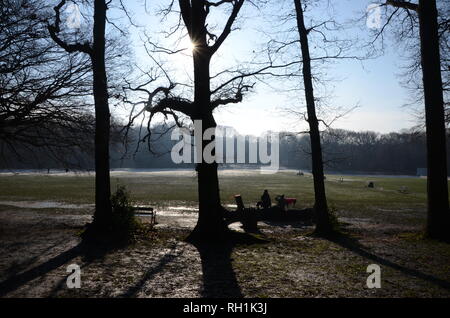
42, 215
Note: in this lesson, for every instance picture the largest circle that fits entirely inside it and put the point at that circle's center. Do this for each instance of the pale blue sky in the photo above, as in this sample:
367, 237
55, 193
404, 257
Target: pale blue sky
373, 84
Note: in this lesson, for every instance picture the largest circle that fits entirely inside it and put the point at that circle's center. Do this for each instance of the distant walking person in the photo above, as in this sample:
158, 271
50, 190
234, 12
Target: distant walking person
265, 200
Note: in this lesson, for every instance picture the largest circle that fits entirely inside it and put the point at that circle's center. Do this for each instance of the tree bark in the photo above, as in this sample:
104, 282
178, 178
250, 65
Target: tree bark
323, 224
438, 221
210, 225
102, 215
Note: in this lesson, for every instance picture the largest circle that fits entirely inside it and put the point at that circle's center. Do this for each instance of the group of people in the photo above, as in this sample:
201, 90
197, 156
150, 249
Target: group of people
266, 202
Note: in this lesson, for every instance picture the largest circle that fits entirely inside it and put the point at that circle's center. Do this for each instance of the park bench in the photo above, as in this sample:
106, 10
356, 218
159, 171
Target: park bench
147, 211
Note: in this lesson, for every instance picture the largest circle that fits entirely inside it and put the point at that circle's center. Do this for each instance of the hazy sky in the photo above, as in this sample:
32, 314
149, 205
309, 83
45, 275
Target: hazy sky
372, 84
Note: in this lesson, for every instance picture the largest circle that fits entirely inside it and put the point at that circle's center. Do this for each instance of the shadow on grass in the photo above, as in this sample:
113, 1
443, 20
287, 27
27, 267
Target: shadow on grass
166, 259
87, 251
17, 267
353, 245
219, 278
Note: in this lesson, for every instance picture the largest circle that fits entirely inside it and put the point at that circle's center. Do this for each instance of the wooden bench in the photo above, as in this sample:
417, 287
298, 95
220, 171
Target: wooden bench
147, 211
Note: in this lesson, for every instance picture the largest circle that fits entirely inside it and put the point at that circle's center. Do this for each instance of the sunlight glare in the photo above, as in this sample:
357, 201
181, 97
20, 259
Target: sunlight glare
191, 46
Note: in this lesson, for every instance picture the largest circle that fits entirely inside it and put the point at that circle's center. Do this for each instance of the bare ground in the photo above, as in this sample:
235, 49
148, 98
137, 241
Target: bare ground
37, 245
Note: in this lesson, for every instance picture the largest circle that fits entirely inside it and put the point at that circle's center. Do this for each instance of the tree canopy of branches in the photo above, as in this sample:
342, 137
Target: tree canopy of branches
402, 21
42, 88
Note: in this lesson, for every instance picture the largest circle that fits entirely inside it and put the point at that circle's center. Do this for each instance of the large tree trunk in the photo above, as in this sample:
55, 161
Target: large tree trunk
438, 223
102, 215
323, 224
210, 225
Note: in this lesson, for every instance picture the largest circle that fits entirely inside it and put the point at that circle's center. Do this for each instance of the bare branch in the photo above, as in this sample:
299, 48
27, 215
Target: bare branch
55, 29
237, 4
403, 4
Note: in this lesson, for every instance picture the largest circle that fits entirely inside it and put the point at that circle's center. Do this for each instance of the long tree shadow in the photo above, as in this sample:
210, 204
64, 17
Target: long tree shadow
354, 246
219, 278
89, 255
88, 252
166, 259
17, 267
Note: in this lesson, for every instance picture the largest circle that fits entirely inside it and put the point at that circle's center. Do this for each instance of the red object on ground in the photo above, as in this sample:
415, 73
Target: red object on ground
290, 201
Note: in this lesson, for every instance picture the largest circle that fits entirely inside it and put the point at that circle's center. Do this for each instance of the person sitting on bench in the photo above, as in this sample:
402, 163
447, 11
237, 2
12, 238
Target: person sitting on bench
265, 200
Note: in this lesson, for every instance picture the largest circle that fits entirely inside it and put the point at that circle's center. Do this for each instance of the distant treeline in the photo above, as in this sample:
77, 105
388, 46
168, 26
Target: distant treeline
362, 152
344, 151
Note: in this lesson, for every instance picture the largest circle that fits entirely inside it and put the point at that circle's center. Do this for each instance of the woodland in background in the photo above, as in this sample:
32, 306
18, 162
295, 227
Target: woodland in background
345, 151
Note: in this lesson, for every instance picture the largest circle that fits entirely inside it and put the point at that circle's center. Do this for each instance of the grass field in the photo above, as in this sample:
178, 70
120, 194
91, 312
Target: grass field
163, 187
180, 189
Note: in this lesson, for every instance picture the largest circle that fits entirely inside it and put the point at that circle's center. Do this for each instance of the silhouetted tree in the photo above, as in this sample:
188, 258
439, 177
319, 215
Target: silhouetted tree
438, 221
321, 42
206, 98
210, 225
323, 224
96, 52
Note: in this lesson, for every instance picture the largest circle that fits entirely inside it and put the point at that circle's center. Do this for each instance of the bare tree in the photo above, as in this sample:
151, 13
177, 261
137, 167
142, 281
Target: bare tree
43, 89
96, 53
314, 47
208, 95
323, 224
438, 221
